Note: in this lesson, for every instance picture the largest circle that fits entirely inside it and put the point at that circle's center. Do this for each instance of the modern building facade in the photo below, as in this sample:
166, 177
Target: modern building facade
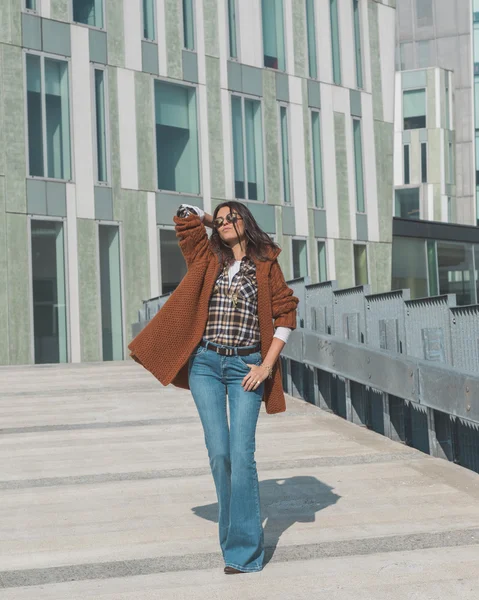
114, 112
441, 34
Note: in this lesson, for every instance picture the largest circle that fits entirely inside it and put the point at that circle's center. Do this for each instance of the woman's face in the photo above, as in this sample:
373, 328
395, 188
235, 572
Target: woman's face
227, 231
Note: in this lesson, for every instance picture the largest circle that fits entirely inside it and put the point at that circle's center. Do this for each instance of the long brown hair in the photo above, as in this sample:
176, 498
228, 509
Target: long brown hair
258, 243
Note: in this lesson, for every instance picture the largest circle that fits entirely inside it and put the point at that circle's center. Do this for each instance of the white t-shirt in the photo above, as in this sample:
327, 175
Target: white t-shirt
281, 333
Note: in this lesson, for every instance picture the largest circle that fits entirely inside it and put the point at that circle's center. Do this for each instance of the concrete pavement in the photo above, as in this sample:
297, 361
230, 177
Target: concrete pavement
106, 493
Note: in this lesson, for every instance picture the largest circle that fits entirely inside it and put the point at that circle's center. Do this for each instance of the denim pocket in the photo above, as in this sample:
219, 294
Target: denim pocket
251, 359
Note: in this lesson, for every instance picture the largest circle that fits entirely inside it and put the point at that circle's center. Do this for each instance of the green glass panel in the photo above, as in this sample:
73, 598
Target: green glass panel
360, 265
273, 34
317, 159
57, 109
322, 265
188, 25
300, 259
254, 149
335, 47
232, 28
238, 146
285, 154
31, 4
358, 165
34, 116
432, 268
409, 267
311, 33
149, 20
89, 12
100, 125
357, 44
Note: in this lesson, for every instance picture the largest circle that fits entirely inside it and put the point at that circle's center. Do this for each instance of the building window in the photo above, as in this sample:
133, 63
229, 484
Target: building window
273, 34
456, 272
247, 148
149, 20
414, 109
406, 164
424, 13
88, 12
284, 139
333, 4
448, 106
424, 162
407, 204
100, 125
188, 25
360, 264
31, 4
322, 263
317, 159
48, 115
311, 33
450, 163
177, 138
300, 259
358, 166
110, 292
232, 28
357, 44
407, 252
173, 266
423, 58
49, 292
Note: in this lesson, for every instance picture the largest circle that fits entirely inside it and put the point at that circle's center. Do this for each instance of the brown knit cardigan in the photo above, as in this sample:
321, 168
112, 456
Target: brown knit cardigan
164, 346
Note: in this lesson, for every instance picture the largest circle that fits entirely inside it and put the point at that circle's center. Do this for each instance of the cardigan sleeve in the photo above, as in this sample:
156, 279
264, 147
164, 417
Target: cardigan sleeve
193, 239
283, 302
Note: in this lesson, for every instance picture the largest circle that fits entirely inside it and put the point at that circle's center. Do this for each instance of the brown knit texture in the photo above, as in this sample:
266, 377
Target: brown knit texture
164, 346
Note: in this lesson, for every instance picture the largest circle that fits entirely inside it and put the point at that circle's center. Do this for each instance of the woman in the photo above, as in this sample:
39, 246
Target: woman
215, 336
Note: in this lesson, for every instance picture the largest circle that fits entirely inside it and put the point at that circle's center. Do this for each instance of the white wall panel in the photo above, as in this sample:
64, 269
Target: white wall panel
223, 42
346, 41
250, 32
387, 23
133, 34
298, 171
398, 160
45, 8
296, 90
398, 125
323, 39
153, 246
341, 100
161, 37
369, 166
73, 284
329, 161
365, 47
127, 121
200, 42
81, 103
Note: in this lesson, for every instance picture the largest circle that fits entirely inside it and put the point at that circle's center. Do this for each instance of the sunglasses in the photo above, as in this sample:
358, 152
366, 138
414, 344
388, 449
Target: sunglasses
230, 218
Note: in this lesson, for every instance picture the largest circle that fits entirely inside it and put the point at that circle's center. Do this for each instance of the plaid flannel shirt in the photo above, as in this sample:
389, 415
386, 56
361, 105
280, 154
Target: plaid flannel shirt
230, 325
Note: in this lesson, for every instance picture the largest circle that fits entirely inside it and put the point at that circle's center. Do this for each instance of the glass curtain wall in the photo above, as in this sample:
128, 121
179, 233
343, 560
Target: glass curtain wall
48, 115
177, 138
273, 34
283, 117
335, 46
247, 148
357, 44
232, 28
110, 288
89, 12
49, 292
311, 36
300, 258
100, 125
317, 159
149, 29
173, 266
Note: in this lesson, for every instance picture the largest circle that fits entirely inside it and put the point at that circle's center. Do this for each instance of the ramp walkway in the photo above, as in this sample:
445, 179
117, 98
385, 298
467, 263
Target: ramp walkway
106, 494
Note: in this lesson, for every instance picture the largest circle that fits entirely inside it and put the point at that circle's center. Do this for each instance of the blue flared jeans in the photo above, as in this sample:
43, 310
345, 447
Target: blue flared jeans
231, 450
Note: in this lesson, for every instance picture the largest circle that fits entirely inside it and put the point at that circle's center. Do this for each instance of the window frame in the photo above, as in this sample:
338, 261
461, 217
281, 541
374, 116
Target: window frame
184, 84
155, 18
58, 58
100, 67
364, 197
63, 220
32, 11
323, 241
416, 186
103, 7
311, 3
408, 170
308, 266
118, 224
236, 58
263, 142
340, 71
424, 172
415, 89
285, 106
321, 162
285, 41
358, 45
368, 272
193, 22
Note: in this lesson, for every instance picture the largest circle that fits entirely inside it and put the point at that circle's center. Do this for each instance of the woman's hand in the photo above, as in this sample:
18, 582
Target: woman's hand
255, 377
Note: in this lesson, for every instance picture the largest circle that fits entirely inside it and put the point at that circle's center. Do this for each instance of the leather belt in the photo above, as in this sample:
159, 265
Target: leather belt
229, 351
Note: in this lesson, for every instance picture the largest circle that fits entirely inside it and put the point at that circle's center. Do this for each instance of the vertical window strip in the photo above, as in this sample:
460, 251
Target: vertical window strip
451, 164
423, 162
232, 28
31, 4
283, 112
336, 52
273, 34
407, 177
149, 30
360, 264
100, 125
300, 258
88, 12
322, 264
317, 159
311, 36
188, 25
358, 165
357, 44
